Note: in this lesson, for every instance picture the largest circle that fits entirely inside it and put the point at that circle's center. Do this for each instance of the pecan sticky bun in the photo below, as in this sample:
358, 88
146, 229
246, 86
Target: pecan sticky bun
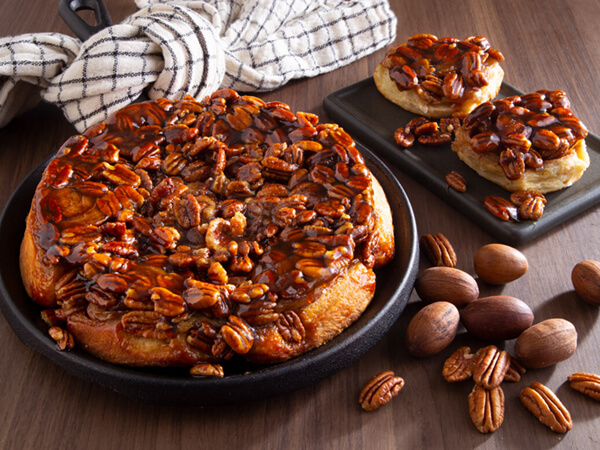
531, 142
181, 233
438, 78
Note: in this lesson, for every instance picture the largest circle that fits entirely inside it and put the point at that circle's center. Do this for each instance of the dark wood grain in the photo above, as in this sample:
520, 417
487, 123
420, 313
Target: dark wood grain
550, 44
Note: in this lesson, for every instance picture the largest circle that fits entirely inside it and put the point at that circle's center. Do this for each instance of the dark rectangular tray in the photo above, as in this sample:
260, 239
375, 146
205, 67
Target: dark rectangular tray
371, 119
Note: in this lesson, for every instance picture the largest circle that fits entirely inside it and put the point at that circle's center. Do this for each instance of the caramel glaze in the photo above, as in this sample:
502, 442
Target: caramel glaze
524, 131
231, 206
425, 62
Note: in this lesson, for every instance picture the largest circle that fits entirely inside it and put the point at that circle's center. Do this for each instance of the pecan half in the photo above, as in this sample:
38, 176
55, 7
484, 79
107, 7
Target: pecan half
586, 383
459, 366
148, 324
501, 208
404, 137
492, 365
380, 390
515, 370
519, 197
207, 370
449, 125
290, 327
436, 138
456, 181
532, 208
238, 335
545, 405
438, 250
63, 338
486, 408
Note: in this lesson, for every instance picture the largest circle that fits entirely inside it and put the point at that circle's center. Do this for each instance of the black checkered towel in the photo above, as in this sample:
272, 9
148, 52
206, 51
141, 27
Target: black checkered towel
173, 48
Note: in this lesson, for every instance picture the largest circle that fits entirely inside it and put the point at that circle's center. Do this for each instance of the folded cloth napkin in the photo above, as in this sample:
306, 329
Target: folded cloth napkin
173, 48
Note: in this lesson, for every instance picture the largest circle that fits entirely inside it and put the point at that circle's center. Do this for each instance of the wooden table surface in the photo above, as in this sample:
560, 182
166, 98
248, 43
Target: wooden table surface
552, 44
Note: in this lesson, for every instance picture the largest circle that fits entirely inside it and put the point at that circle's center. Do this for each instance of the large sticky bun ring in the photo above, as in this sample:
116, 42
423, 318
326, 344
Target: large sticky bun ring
438, 78
181, 233
527, 142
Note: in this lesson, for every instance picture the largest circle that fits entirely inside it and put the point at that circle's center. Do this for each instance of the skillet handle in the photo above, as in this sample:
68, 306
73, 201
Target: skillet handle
68, 11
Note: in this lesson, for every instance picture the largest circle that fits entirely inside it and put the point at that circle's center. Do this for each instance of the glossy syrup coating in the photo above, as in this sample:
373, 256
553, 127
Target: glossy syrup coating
200, 223
446, 68
524, 131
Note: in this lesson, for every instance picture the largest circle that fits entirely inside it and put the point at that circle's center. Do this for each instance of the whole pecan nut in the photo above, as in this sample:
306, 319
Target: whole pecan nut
586, 383
438, 250
545, 405
486, 407
380, 390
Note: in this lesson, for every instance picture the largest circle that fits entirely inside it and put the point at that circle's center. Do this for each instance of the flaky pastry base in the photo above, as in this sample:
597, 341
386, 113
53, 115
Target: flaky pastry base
412, 102
555, 174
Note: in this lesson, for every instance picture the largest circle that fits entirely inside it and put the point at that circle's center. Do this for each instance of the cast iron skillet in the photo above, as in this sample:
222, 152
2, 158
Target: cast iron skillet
68, 10
243, 381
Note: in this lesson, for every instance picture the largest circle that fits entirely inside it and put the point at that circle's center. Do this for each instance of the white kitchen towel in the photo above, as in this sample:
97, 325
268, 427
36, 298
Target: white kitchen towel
173, 48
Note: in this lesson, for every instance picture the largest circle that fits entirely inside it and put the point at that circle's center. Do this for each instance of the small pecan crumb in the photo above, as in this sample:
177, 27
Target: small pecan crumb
380, 390
449, 124
426, 132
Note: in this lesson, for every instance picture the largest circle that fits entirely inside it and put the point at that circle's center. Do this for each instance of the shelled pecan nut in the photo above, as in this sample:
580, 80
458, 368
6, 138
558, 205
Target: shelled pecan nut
63, 338
459, 366
380, 390
586, 383
545, 405
438, 250
404, 137
207, 370
514, 372
486, 408
456, 181
491, 367
501, 208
